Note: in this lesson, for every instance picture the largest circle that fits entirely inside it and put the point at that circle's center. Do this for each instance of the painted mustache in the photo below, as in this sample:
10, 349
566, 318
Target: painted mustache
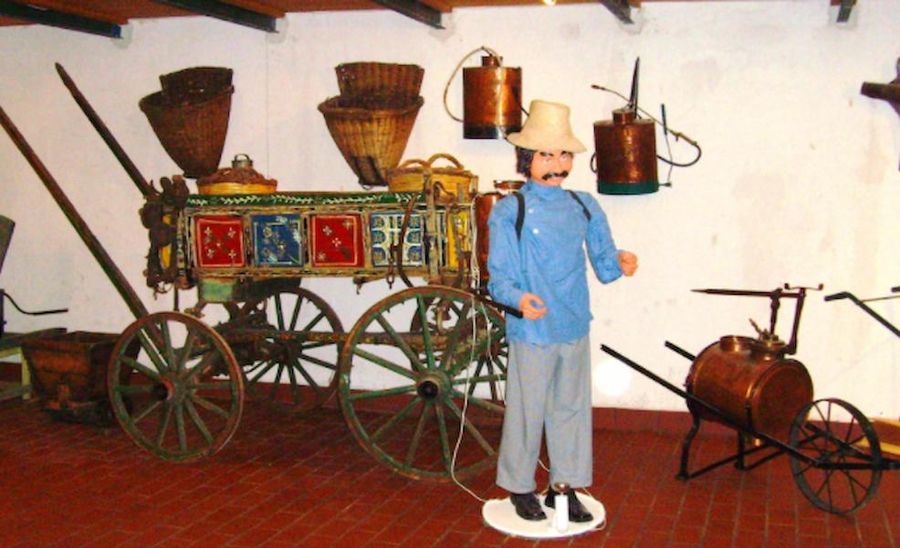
552, 174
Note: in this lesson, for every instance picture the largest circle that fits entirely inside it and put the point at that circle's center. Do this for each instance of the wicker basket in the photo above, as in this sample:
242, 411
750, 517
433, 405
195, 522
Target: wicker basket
454, 181
372, 140
192, 132
195, 84
368, 79
240, 178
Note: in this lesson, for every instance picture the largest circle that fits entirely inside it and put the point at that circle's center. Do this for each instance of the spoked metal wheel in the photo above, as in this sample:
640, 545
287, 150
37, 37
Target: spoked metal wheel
407, 394
180, 396
292, 361
842, 464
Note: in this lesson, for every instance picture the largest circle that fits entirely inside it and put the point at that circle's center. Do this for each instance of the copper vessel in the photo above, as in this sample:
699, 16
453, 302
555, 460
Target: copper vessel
625, 149
484, 203
751, 382
492, 99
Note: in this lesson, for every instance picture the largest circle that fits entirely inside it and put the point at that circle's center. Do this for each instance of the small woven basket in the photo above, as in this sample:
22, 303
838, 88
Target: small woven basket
371, 135
240, 178
386, 80
453, 181
192, 132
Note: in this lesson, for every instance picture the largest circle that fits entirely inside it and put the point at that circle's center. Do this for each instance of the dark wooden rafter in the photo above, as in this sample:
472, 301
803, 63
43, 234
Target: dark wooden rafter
846, 6
414, 9
60, 19
621, 9
227, 12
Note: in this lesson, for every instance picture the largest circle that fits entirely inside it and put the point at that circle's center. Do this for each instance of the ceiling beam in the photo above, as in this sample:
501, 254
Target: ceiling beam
846, 6
414, 9
60, 19
620, 8
225, 12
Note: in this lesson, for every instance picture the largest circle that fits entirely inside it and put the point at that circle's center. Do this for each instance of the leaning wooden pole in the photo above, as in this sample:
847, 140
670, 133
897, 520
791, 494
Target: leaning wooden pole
139, 181
106, 263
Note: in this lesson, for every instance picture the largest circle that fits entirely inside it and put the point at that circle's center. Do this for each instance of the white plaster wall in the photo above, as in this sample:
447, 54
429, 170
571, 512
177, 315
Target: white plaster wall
798, 183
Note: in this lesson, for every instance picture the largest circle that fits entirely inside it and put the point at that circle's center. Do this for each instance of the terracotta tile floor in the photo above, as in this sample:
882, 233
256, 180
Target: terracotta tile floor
289, 481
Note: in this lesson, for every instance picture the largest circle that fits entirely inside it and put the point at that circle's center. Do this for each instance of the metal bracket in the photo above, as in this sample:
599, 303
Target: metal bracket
225, 12
60, 19
414, 9
620, 8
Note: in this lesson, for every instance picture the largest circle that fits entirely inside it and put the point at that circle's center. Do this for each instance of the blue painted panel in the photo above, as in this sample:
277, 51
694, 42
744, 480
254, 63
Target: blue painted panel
277, 240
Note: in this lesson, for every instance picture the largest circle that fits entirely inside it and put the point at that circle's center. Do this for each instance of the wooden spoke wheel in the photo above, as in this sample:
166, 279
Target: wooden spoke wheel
293, 359
426, 402
175, 386
442, 315
843, 464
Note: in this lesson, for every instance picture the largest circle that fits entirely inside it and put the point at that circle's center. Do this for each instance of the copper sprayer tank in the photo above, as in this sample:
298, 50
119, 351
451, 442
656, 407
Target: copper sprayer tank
492, 100
751, 382
625, 149
484, 203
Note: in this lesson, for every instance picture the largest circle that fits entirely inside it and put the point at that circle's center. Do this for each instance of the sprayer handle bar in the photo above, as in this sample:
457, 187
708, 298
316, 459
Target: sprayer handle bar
748, 293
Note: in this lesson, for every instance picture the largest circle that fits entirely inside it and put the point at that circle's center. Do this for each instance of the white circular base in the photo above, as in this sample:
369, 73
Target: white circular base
501, 515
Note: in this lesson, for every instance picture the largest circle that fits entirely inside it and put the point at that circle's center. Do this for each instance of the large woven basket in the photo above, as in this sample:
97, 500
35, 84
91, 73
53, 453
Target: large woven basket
195, 83
192, 132
371, 79
371, 138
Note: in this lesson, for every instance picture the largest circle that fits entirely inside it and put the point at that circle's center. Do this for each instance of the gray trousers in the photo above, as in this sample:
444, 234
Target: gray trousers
548, 388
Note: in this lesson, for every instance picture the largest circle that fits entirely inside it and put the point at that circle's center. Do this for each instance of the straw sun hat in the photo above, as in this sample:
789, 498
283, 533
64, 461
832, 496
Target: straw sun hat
547, 128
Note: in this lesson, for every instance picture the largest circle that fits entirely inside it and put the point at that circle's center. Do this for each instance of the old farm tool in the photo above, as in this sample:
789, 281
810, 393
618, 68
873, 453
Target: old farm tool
435, 354
750, 385
888, 429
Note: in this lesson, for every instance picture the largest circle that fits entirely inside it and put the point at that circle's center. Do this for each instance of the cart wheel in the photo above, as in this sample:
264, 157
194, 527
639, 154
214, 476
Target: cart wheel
837, 465
180, 396
293, 364
399, 388
441, 315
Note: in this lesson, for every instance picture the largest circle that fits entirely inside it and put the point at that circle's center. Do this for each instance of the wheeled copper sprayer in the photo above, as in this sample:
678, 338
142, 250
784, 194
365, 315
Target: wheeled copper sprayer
754, 387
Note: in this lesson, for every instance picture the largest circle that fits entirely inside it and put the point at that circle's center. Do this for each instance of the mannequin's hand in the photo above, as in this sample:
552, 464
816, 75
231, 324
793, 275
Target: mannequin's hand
532, 306
628, 262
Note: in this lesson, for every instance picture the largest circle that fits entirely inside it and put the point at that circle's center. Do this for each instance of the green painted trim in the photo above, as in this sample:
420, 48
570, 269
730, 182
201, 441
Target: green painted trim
644, 187
216, 290
300, 199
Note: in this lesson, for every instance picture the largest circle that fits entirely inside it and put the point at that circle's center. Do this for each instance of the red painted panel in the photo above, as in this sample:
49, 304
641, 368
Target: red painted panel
336, 240
219, 240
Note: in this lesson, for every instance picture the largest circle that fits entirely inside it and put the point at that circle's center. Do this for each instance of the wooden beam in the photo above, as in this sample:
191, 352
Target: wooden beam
620, 8
59, 19
225, 12
414, 9
84, 9
846, 7
258, 6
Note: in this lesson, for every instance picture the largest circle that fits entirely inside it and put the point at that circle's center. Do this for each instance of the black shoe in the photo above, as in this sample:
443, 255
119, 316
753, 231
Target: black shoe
527, 506
577, 512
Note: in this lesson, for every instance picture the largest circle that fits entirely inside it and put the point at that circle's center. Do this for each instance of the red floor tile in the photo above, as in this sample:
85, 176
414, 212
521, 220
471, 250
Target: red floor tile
291, 481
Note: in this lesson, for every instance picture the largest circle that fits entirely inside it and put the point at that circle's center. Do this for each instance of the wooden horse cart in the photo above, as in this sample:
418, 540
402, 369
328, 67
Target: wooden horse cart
419, 371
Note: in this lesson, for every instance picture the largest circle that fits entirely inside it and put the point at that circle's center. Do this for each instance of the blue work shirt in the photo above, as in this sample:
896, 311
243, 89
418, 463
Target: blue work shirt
548, 261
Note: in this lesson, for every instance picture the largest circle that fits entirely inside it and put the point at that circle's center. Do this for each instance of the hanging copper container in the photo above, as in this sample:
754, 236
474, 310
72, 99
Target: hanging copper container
492, 99
625, 152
